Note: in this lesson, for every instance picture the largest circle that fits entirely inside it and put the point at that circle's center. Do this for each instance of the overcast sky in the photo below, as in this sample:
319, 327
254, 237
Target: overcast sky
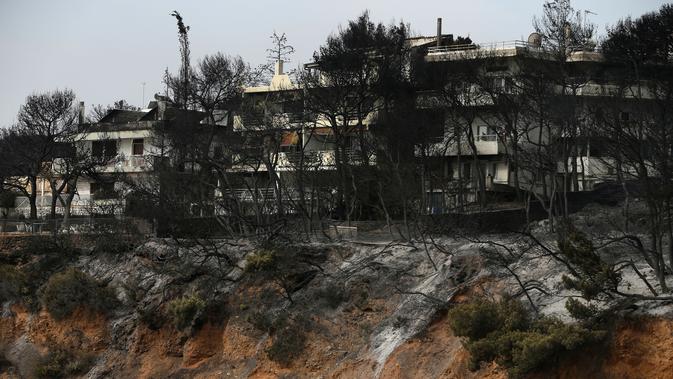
105, 50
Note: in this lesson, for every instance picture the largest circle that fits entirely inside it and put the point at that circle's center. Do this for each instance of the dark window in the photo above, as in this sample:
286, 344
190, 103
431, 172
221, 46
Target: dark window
107, 149
625, 116
467, 171
218, 152
138, 146
102, 190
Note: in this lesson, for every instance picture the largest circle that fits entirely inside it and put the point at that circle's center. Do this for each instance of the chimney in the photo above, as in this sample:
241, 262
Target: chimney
81, 113
439, 31
279, 68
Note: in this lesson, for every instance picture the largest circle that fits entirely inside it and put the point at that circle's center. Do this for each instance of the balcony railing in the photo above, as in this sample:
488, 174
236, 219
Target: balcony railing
137, 162
502, 45
486, 144
324, 158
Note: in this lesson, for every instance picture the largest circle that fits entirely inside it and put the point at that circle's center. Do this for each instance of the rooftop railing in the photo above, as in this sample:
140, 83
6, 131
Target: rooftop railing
502, 45
506, 45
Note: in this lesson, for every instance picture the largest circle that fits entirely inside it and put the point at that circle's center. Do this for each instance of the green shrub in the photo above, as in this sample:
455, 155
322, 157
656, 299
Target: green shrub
477, 319
503, 332
69, 289
186, 311
63, 364
260, 260
581, 311
592, 276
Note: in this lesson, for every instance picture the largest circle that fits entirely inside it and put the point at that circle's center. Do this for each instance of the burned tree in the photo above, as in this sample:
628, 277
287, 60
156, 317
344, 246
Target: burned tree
44, 121
342, 90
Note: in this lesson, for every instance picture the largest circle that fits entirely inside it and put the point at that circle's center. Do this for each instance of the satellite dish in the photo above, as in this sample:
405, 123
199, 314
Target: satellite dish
535, 39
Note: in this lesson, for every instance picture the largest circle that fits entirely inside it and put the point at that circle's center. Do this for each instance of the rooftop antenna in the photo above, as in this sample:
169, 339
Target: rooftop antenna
584, 21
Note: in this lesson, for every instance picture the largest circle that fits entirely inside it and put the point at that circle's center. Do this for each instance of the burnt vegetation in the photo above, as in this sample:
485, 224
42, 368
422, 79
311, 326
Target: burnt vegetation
376, 132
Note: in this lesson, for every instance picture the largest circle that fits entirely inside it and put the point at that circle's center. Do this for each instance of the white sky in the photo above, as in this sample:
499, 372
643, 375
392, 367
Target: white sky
104, 50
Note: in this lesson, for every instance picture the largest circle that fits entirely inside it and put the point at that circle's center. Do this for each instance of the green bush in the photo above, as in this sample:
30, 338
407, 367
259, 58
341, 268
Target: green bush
186, 311
503, 332
477, 319
581, 311
63, 364
260, 260
69, 289
592, 276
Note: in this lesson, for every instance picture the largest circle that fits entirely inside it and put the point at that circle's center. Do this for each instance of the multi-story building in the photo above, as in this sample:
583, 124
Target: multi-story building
483, 133
488, 134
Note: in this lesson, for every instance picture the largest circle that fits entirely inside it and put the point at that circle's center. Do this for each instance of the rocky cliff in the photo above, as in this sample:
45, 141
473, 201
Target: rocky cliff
337, 310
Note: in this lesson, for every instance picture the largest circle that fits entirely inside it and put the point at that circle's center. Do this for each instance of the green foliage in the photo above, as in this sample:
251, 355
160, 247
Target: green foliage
67, 290
185, 312
260, 260
477, 319
291, 267
502, 331
592, 275
644, 40
581, 311
63, 364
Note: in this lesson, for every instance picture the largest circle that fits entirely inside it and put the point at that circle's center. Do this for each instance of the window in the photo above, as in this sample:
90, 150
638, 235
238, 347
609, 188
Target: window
485, 133
104, 149
501, 84
218, 152
102, 190
138, 146
467, 171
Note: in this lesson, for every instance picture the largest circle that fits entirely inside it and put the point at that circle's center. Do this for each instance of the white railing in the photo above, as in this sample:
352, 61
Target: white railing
129, 163
137, 161
320, 158
502, 45
486, 144
81, 205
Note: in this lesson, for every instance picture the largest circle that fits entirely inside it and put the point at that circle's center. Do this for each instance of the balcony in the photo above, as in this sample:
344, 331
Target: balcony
482, 50
320, 159
486, 144
291, 161
129, 163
